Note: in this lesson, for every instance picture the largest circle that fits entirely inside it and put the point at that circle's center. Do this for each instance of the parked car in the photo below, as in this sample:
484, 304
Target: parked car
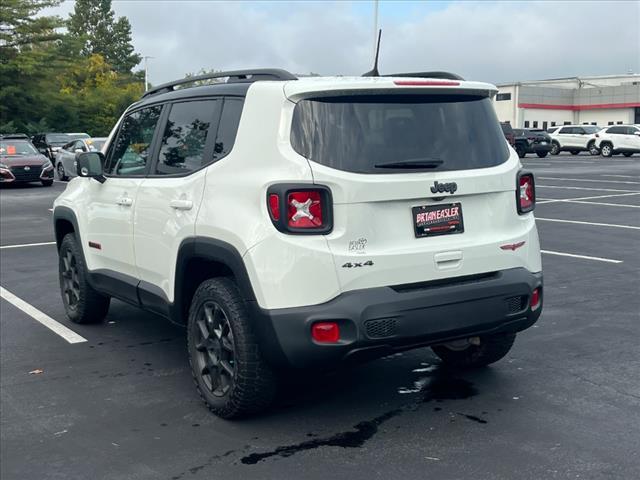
507, 130
66, 157
20, 162
14, 136
532, 141
304, 223
49, 143
575, 139
623, 139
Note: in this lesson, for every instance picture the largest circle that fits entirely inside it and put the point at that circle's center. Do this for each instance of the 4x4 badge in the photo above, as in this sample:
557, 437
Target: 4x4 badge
444, 187
368, 263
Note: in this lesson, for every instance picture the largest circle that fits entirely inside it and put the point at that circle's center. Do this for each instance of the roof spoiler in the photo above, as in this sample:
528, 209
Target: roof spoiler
441, 75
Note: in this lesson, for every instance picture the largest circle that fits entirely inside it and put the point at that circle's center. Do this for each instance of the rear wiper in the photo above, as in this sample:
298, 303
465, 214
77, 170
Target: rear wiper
412, 163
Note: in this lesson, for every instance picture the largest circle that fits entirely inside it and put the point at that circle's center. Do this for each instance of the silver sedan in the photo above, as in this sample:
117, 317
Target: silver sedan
66, 157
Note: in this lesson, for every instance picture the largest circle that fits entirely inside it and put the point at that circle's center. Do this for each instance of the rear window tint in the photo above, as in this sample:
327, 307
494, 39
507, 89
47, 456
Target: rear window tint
356, 133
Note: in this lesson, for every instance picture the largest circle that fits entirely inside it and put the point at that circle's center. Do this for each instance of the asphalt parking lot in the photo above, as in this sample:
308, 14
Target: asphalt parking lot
565, 403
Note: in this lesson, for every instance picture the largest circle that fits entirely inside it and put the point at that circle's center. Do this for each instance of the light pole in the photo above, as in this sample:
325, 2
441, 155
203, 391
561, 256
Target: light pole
146, 72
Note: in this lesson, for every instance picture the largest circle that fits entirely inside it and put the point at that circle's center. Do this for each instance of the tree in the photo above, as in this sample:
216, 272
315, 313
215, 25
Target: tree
93, 22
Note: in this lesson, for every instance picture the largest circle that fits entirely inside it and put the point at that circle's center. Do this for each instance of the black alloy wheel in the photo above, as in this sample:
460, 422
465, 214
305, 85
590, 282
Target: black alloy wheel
70, 280
215, 348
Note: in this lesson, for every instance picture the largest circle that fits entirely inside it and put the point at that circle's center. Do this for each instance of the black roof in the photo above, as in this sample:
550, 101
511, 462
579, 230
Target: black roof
230, 89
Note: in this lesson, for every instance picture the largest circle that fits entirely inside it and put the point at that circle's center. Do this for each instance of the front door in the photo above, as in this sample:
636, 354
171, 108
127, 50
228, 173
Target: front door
110, 210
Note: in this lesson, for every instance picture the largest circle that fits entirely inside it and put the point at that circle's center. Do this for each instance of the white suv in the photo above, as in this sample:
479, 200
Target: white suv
623, 139
575, 139
303, 223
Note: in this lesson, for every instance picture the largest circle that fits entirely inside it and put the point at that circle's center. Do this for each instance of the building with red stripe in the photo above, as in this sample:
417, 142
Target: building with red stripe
598, 100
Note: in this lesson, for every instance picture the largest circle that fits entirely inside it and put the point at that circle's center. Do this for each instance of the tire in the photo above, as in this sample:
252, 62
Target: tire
606, 149
47, 183
219, 330
521, 151
61, 173
541, 154
82, 303
491, 349
627, 154
593, 150
555, 148
575, 152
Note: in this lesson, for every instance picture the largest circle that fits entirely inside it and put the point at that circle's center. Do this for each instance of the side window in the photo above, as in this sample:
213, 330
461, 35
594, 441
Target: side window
228, 127
132, 147
188, 127
566, 130
79, 145
615, 130
69, 146
578, 131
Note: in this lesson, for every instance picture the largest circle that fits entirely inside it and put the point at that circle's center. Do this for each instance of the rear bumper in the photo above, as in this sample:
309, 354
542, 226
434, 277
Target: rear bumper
377, 321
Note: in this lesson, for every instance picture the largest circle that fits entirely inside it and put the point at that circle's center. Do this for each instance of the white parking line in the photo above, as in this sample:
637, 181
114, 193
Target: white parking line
538, 164
588, 188
604, 204
27, 245
588, 180
585, 257
555, 200
613, 225
621, 176
57, 328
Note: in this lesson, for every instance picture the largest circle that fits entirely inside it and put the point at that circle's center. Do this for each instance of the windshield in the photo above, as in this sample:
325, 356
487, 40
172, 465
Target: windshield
17, 147
392, 133
58, 138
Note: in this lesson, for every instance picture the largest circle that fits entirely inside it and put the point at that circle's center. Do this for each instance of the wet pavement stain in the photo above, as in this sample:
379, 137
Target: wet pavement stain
442, 386
472, 417
362, 432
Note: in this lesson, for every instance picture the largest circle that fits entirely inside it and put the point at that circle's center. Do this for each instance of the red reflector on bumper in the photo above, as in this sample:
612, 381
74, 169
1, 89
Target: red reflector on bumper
536, 296
325, 332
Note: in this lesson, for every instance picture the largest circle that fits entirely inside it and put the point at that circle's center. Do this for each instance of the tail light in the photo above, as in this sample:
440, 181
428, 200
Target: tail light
525, 192
300, 209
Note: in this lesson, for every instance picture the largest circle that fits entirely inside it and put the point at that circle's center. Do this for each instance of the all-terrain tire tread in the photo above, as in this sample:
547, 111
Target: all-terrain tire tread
255, 383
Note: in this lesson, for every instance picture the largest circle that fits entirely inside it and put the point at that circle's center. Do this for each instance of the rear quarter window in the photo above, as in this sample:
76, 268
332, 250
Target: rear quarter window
355, 133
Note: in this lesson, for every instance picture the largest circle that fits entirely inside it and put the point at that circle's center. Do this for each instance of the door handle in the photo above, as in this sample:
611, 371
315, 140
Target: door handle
125, 201
181, 204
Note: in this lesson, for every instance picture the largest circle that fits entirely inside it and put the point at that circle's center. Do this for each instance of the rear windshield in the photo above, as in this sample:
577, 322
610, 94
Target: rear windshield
371, 133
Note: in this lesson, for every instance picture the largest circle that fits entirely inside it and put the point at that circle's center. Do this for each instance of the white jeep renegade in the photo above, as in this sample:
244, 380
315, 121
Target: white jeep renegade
305, 223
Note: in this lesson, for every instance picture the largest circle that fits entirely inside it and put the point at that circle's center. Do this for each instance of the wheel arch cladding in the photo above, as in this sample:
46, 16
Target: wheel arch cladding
64, 222
202, 258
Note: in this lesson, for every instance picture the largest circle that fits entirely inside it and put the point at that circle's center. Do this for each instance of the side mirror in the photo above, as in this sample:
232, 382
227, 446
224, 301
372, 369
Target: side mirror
89, 165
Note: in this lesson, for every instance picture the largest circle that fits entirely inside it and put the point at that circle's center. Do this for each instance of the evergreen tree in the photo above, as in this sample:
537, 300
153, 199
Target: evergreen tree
94, 23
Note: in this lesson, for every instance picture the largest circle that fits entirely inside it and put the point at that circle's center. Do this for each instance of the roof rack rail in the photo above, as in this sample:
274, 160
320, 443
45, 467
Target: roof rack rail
442, 75
234, 76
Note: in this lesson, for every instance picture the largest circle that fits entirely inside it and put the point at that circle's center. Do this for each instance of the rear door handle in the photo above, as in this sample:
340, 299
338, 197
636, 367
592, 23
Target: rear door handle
181, 204
125, 201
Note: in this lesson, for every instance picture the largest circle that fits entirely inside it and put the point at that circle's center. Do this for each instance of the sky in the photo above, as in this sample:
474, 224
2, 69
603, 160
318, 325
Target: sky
494, 41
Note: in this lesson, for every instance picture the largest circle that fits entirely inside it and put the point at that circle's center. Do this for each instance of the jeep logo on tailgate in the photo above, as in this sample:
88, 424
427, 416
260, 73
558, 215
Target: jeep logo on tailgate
444, 187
